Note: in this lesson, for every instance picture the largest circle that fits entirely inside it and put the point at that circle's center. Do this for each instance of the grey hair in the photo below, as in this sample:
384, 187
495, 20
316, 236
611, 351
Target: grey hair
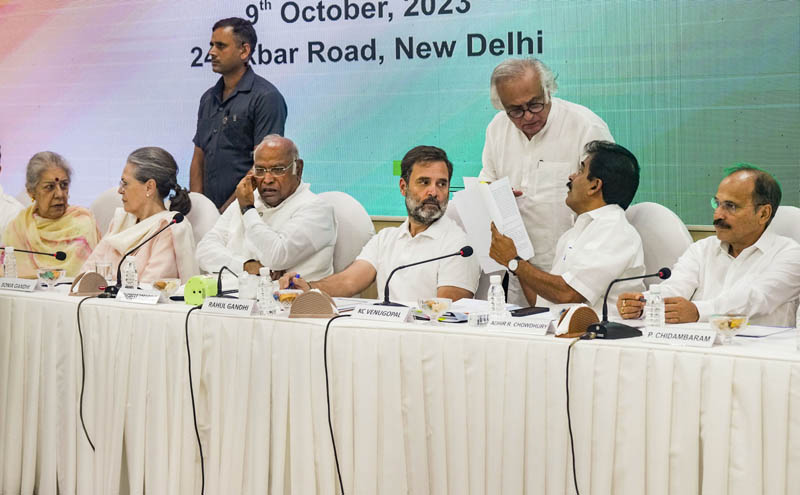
279, 140
39, 163
156, 163
518, 67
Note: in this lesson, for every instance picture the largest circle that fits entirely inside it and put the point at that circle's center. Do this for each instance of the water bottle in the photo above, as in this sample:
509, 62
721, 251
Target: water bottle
10, 263
264, 294
654, 308
130, 277
497, 298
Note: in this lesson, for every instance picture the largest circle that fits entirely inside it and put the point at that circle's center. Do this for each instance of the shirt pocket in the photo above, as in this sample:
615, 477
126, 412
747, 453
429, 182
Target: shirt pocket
547, 181
237, 131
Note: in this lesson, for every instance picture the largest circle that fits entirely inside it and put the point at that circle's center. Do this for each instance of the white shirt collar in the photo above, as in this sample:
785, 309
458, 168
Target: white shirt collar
434, 230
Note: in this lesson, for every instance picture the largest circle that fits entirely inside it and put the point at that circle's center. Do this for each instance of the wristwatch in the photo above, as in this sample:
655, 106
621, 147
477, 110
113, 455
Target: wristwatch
245, 208
514, 264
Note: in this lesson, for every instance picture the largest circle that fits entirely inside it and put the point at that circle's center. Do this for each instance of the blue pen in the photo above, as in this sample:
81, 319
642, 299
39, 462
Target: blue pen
291, 281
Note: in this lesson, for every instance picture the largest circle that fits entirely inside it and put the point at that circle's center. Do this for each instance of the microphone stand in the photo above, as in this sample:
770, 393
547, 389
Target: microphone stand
386, 301
59, 255
112, 290
220, 293
613, 330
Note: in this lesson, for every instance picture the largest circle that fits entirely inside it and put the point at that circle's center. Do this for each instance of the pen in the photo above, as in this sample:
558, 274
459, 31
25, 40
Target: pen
291, 281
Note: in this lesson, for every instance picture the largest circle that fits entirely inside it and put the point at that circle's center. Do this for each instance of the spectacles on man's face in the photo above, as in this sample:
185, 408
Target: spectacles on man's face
518, 112
729, 206
276, 171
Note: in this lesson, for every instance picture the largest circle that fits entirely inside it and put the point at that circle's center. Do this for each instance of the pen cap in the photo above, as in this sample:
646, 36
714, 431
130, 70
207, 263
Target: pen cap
264, 271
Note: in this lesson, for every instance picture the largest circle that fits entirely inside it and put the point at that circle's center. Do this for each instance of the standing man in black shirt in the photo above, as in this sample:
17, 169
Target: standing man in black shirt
234, 116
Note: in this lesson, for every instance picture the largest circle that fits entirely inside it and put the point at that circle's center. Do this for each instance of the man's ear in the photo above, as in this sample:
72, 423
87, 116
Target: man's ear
403, 186
299, 171
596, 187
764, 213
247, 52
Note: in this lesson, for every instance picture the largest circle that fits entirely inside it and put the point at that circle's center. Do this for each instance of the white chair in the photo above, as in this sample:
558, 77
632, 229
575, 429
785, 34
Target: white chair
664, 236
103, 208
354, 228
202, 216
787, 222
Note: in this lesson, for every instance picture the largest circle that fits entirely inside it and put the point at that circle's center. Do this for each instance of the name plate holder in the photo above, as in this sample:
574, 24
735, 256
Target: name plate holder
682, 335
399, 314
528, 326
227, 306
18, 284
139, 296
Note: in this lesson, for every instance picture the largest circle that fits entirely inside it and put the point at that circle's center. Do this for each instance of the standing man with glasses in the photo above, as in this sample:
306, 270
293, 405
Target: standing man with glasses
275, 222
234, 115
537, 141
745, 269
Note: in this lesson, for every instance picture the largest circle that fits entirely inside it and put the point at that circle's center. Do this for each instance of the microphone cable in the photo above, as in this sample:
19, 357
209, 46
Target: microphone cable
569, 420
194, 409
328, 399
83, 369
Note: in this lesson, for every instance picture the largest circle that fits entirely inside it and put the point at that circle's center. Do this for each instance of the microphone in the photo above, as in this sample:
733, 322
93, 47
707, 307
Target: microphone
112, 290
59, 255
464, 252
612, 330
220, 292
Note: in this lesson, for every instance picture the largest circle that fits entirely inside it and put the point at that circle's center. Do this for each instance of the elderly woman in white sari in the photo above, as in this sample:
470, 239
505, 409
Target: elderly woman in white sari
148, 178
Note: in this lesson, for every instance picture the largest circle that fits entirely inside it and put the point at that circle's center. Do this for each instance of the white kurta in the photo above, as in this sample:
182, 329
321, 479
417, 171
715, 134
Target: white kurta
600, 247
762, 282
297, 235
9, 209
540, 168
394, 246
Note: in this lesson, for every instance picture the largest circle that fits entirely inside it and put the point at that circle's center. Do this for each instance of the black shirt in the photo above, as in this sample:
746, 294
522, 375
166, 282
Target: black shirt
227, 131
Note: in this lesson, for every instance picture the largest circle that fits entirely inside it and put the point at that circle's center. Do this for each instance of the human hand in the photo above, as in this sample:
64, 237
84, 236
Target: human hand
252, 267
680, 310
502, 249
292, 281
244, 190
630, 305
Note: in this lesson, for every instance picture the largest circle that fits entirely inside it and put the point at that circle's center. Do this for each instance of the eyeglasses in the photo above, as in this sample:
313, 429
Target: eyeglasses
277, 171
518, 112
729, 206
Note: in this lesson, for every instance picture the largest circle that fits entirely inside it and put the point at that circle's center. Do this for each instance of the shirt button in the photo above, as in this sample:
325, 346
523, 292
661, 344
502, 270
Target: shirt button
215, 131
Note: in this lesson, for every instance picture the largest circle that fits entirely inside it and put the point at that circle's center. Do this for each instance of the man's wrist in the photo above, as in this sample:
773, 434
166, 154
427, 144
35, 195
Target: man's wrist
513, 264
244, 209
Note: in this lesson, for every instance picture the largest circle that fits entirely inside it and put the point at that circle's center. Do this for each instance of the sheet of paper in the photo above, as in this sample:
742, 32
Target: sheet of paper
476, 220
478, 205
511, 219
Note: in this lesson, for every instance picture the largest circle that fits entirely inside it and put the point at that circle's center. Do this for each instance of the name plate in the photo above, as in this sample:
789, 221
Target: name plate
225, 306
680, 336
528, 326
138, 296
20, 284
382, 313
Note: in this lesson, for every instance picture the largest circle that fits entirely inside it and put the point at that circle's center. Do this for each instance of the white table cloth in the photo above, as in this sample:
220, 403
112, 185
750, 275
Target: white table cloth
417, 409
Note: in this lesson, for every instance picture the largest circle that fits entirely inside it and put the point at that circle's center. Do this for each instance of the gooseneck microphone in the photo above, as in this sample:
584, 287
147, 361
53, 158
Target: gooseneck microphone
612, 330
113, 289
464, 252
59, 255
220, 293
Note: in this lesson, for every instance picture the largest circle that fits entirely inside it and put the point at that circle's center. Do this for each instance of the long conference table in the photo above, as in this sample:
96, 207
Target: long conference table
416, 409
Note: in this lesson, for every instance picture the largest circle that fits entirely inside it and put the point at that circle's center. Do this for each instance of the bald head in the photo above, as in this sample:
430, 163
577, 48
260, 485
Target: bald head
278, 143
277, 169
